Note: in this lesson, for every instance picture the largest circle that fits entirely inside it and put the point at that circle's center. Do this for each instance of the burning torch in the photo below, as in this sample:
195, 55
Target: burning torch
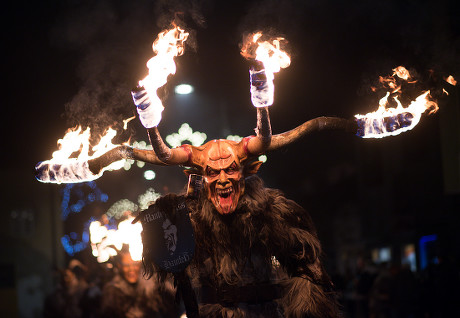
270, 59
167, 46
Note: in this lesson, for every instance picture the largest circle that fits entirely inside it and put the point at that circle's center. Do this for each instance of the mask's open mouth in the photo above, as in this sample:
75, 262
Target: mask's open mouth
225, 199
224, 193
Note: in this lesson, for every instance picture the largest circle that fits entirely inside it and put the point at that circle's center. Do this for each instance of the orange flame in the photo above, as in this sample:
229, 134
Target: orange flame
105, 242
451, 80
167, 46
272, 58
267, 52
401, 72
63, 168
389, 121
126, 121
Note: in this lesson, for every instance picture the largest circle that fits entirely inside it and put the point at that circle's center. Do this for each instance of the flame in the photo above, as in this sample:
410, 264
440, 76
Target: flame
269, 53
389, 121
168, 45
64, 169
401, 72
451, 80
272, 58
105, 242
126, 121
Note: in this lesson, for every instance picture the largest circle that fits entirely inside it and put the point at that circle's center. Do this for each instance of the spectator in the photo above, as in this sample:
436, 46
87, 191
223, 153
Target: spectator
130, 295
64, 302
381, 292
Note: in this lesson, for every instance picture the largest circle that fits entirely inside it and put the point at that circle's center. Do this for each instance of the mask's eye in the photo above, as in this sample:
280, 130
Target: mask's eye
211, 172
232, 169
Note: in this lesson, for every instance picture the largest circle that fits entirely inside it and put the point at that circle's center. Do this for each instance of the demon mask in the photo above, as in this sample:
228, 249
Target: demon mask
223, 165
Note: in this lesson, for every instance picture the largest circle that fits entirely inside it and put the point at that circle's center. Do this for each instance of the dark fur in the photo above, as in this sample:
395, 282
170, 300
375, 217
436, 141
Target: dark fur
237, 250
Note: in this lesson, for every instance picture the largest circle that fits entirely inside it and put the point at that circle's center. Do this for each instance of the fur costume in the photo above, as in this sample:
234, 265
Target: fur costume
263, 260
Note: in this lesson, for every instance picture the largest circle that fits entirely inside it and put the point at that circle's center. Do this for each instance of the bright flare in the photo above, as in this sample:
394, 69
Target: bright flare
392, 121
183, 89
451, 80
105, 242
272, 58
63, 169
167, 46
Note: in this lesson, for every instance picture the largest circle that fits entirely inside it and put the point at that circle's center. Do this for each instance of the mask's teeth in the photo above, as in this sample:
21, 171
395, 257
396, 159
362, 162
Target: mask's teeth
225, 192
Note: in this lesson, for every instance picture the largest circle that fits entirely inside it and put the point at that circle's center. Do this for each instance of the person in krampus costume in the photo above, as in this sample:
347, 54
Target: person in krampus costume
257, 253
250, 251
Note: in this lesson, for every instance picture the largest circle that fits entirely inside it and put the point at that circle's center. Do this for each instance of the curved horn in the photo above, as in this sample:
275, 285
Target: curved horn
122, 152
317, 124
175, 156
261, 143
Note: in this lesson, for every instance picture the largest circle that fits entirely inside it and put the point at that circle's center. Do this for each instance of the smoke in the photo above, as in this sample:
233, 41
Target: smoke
112, 41
109, 42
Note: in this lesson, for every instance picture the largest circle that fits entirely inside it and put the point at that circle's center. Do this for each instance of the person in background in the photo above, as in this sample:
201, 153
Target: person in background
129, 295
64, 301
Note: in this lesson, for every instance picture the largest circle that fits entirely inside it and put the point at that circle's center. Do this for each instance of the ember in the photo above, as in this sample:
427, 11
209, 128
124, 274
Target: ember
451, 80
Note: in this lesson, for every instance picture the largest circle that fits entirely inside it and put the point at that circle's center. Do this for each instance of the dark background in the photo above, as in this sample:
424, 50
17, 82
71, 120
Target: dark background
68, 63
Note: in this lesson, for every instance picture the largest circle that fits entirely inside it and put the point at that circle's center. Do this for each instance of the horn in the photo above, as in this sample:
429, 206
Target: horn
123, 152
317, 124
163, 155
175, 156
261, 143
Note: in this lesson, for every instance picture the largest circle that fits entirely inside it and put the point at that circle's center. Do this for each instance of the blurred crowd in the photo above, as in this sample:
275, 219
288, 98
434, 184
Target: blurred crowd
118, 291
372, 291
388, 290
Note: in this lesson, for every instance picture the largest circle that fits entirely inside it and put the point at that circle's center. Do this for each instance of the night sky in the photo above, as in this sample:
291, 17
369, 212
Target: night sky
71, 62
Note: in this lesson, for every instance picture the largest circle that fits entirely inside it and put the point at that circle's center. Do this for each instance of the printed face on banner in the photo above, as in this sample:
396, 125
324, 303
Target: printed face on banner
169, 241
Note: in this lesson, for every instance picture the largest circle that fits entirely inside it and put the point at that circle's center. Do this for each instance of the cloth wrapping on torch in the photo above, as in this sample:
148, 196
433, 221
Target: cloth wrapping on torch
69, 172
373, 127
262, 88
149, 113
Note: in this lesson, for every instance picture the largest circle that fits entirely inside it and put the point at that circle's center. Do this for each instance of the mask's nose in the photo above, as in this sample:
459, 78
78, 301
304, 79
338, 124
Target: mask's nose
223, 180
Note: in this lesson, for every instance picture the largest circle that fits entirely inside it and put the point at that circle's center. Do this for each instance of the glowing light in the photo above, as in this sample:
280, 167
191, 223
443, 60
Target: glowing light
237, 138
126, 121
132, 236
424, 243
105, 242
139, 145
186, 133
451, 80
74, 193
183, 89
234, 138
71, 242
147, 198
149, 174
118, 209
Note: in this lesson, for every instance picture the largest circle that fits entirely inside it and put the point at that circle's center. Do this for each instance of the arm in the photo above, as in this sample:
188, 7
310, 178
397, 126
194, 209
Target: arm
297, 248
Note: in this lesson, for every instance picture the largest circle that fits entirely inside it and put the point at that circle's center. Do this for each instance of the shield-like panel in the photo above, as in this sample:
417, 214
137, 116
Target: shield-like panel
168, 238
